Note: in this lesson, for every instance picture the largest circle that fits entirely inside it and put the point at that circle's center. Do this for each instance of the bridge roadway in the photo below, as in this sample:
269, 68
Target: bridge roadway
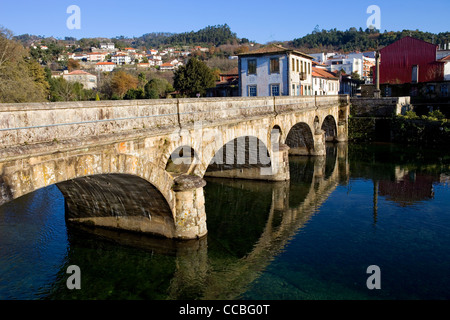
139, 165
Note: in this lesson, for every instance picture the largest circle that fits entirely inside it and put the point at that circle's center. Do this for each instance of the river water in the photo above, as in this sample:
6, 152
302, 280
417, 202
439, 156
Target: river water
313, 237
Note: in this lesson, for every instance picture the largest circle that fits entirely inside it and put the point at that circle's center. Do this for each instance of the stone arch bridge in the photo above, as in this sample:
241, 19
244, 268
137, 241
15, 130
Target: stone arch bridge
139, 165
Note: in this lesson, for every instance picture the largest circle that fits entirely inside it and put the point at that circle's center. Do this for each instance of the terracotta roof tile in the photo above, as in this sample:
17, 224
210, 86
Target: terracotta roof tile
272, 49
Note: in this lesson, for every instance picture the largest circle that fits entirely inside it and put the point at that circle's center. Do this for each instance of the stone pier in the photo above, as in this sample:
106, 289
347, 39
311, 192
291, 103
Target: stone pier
190, 218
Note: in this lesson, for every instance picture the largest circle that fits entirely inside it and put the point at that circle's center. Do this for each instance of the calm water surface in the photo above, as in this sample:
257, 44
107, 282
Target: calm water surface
310, 238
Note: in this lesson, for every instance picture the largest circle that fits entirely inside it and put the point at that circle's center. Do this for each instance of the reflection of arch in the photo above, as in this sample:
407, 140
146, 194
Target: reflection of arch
181, 160
300, 139
330, 160
330, 128
285, 218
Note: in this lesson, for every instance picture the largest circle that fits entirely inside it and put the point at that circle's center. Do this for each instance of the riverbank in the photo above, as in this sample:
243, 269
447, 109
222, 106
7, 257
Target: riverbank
431, 130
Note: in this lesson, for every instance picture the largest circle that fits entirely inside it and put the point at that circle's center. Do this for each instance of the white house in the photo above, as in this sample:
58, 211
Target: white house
446, 61
360, 62
80, 56
275, 71
166, 66
89, 81
324, 82
105, 66
108, 46
121, 58
176, 63
96, 56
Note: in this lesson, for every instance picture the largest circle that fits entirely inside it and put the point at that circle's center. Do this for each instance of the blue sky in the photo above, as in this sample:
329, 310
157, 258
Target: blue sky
261, 21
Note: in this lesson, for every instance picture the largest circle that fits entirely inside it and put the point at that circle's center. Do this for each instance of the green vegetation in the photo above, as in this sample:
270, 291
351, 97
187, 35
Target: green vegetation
214, 35
431, 129
359, 40
194, 78
21, 79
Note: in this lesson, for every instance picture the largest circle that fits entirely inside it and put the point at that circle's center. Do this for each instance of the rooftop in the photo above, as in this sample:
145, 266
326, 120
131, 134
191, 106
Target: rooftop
322, 73
78, 72
274, 49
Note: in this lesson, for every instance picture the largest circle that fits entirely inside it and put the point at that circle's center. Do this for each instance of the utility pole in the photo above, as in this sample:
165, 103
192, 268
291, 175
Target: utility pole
377, 91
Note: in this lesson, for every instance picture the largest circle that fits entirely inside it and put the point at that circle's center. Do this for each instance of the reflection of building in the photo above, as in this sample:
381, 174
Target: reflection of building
413, 187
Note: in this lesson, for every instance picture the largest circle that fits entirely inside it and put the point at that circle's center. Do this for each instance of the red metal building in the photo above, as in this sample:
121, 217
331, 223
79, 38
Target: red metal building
410, 60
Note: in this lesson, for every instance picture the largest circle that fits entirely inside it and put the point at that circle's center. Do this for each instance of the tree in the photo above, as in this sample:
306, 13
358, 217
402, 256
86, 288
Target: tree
355, 75
158, 88
193, 78
63, 90
21, 79
73, 64
121, 82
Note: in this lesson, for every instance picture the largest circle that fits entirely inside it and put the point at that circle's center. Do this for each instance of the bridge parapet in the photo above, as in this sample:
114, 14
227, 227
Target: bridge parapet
33, 123
23, 124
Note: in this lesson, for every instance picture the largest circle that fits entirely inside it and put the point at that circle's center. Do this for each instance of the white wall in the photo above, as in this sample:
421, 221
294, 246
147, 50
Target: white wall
263, 78
447, 71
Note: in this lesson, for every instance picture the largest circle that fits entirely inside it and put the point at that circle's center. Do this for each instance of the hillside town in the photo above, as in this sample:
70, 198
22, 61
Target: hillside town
265, 71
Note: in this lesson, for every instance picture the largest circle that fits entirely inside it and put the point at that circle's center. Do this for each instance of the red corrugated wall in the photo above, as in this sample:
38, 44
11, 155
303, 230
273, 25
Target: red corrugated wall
398, 59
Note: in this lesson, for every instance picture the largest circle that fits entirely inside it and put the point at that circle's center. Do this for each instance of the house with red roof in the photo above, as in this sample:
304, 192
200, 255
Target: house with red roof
105, 66
324, 82
89, 81
166, 66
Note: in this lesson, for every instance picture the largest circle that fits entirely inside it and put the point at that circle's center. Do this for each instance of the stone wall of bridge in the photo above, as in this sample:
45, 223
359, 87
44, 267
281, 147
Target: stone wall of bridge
58, 143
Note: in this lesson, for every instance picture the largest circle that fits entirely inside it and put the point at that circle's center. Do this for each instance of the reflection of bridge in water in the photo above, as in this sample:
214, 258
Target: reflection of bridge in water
202, 275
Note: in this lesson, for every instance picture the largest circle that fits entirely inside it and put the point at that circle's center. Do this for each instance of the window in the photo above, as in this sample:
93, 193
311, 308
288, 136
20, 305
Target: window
293, 90
274, 65
309, 68
274, 89
298, 68
252, 92
251, 66
293, 64
444, 90
415, 74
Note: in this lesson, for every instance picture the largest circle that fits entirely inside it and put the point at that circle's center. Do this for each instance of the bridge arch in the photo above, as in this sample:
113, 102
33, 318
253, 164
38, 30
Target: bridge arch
67, 169
330, 128
300, 139
242, 157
